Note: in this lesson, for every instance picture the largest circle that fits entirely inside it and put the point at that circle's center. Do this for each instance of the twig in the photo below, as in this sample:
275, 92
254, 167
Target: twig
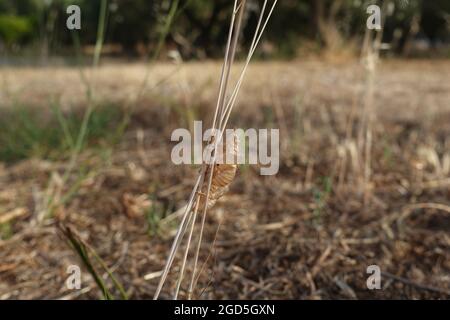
414, 284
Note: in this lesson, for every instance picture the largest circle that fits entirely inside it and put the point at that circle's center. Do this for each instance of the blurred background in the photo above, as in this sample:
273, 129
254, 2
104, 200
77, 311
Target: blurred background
34, 29
86, 178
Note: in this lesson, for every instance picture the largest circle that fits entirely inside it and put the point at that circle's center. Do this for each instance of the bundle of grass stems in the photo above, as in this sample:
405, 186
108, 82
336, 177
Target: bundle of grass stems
214, 178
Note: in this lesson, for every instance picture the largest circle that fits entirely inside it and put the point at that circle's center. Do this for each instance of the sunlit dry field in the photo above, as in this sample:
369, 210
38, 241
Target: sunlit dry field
308, 232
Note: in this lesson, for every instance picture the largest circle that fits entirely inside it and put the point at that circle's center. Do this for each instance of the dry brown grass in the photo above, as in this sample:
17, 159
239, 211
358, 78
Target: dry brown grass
289, 236
420, 85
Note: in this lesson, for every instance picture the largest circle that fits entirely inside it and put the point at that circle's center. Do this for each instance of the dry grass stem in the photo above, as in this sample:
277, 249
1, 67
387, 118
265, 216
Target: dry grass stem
214, 179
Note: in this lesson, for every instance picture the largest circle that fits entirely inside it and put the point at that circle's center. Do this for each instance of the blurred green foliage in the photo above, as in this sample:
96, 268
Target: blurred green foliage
14, 29
201, 26
28, 133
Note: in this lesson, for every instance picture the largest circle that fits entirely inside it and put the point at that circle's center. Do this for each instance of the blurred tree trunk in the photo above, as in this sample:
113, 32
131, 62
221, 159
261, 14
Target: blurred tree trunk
326, 23
405, 44
49, 18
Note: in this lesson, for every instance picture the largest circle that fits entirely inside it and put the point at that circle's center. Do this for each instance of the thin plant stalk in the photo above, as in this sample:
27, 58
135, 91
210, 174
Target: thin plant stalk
188, 245
165, 32
81, 137
225, 65
177, 239
170, 18
100, 32
232, 52
222, 114
373, 47
229, 59
192, 283
201, 176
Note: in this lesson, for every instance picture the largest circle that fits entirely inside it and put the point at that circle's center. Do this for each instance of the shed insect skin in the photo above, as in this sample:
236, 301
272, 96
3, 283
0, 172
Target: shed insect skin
223, 174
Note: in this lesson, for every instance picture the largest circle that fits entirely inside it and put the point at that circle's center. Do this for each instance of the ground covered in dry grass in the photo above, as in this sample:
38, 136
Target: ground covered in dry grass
307, 233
